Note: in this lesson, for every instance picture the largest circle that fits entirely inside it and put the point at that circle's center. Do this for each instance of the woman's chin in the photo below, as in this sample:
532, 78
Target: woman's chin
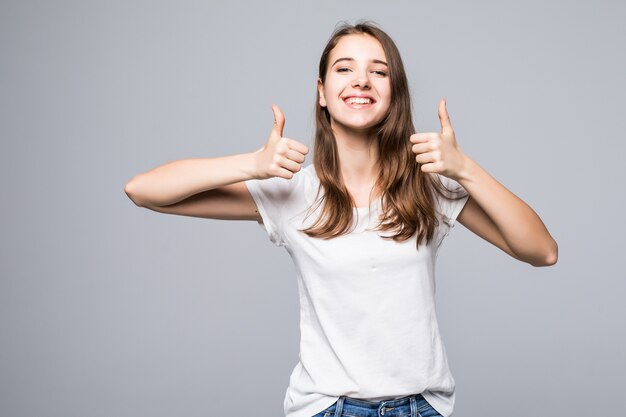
357, 126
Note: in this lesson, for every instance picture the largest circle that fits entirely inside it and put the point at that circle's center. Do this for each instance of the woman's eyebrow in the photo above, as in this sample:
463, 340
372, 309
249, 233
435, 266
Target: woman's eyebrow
376, 61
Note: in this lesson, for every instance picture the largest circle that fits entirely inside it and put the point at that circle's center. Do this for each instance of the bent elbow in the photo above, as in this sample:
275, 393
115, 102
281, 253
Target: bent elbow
553, 256
129, 189
548, 259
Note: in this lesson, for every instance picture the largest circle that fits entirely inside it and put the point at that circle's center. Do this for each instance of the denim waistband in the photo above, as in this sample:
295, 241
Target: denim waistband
374, 405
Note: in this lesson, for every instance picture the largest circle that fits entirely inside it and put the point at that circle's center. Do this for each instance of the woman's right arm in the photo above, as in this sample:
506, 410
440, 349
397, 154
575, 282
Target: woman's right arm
198, 187
214, 187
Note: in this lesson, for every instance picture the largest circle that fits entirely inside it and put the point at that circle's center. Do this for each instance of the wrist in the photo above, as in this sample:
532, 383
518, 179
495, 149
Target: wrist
468, 169
251, 165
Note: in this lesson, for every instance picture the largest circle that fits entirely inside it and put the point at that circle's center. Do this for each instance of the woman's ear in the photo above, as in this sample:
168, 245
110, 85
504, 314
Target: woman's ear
320, 90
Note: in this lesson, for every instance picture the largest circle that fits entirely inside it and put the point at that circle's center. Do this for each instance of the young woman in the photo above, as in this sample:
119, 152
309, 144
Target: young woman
363, 225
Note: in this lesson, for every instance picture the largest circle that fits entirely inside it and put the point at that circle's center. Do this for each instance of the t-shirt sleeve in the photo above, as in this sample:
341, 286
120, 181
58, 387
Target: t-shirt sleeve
450, 208
272, 197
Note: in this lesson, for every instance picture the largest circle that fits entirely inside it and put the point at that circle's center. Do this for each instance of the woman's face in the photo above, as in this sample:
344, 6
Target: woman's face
357, 67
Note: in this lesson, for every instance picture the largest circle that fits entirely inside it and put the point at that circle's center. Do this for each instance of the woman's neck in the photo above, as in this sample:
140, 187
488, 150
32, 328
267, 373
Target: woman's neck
358, 156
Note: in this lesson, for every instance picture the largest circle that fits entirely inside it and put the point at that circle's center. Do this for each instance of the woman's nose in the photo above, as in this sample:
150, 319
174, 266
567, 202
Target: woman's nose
361, 80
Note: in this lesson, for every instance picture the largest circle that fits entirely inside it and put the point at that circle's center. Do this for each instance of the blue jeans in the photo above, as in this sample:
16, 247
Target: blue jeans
411, 406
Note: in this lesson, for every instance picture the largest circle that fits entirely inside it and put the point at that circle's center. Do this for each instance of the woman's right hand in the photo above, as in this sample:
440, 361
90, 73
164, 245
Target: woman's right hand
279, 157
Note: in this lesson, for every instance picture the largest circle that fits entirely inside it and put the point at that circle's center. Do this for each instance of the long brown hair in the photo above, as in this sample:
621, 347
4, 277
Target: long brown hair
406, 192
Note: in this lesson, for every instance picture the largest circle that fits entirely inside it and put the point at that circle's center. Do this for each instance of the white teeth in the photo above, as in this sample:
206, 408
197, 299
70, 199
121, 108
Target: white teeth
357, 100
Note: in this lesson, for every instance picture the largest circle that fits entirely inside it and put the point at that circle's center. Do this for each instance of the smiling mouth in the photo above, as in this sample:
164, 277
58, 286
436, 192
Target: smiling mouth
359, 100
359, 103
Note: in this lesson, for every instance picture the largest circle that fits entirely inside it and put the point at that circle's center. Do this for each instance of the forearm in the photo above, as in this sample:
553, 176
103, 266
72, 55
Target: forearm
175, 181
518, 223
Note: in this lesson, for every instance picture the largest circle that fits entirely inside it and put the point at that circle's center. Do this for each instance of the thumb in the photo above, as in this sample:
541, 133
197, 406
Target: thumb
444, 117
279, 121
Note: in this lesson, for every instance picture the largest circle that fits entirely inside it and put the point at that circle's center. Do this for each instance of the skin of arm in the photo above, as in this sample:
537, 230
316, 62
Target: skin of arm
175, 181
492, 212
519, 226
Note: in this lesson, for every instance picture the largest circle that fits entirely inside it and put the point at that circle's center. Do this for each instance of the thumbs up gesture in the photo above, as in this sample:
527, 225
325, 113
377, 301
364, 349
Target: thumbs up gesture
439, 152
279, 157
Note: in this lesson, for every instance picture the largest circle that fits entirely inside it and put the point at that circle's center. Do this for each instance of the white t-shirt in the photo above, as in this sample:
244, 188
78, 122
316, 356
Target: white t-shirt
368, 324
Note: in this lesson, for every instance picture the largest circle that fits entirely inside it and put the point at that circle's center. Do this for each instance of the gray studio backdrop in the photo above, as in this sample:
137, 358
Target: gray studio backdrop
108, 309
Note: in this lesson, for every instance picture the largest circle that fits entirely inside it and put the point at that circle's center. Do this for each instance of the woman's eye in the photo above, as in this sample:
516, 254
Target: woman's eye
383, 73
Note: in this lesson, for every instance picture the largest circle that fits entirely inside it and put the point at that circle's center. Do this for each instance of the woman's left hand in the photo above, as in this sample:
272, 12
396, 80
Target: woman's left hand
439, 152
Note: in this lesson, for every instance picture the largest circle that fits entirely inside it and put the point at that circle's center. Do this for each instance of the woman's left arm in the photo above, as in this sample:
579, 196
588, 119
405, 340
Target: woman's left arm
492, 211
517, 223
